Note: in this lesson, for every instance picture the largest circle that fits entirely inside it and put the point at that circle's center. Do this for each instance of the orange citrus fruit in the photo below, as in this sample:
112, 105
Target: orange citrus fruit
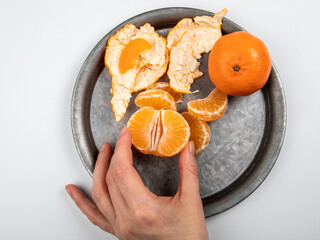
210, 108
129, 55
239, 64
158, 99
166, 87
139, 125
159, 132
200, 132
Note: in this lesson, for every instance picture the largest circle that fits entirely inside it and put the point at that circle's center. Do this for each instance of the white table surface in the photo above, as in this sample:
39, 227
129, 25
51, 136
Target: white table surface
42, 47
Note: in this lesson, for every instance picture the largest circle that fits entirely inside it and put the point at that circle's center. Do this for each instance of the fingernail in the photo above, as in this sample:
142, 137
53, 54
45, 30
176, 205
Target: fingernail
103, 147
191, 147
123, 130
68, 190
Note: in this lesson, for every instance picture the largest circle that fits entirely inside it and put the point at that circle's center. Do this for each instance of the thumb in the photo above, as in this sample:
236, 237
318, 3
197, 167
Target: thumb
189, 183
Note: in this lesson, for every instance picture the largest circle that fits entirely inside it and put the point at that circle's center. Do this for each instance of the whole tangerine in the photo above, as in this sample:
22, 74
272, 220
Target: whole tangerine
239, 64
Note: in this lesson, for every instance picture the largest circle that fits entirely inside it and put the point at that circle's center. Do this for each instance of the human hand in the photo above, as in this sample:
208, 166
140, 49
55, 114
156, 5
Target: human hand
126, 208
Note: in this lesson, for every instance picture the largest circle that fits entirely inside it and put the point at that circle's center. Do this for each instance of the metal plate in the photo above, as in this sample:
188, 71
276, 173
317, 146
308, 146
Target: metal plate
245, 144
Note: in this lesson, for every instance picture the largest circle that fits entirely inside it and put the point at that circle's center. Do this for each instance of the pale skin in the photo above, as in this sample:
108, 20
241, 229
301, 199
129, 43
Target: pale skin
124, 207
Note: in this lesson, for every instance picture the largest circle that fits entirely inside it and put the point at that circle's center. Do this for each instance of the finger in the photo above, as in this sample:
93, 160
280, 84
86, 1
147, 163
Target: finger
117, 172
119, 203
88, 208
100, 194
125, 175
189, 183
123, 147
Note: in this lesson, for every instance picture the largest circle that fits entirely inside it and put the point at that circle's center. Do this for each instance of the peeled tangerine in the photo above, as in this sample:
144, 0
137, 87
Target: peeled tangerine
136, 58
210, 108
159, 132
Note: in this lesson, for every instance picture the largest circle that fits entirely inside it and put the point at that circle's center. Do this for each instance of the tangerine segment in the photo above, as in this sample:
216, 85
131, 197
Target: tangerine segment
200, 132
158, 99
166, 87
210, 108
129, 55
176, 133
140, 125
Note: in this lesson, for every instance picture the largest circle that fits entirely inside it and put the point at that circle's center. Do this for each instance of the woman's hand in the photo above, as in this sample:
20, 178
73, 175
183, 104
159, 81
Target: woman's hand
126, 208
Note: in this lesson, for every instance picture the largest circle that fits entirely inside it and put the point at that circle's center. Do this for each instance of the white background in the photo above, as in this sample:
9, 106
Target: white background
42, 47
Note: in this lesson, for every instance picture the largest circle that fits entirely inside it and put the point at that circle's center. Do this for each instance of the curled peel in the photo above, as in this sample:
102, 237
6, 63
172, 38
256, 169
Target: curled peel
187, 41
151, 64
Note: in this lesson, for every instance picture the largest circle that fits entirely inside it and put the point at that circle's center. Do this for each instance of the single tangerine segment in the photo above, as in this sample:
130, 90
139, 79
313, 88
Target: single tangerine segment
200, 132
176, 133
158, 99
159, 132
129, 55
140, 125
166, 87
210, 108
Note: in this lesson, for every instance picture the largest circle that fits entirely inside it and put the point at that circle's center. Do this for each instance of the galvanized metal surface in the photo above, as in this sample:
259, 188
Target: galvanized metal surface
245, 142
